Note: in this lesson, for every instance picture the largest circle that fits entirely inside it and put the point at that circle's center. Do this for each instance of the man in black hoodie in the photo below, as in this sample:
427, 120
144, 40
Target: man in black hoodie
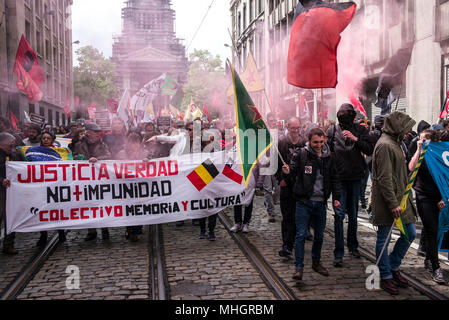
349, 142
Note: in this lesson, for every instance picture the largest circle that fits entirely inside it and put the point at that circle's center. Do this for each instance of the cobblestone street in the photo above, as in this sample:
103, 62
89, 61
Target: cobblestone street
199, 269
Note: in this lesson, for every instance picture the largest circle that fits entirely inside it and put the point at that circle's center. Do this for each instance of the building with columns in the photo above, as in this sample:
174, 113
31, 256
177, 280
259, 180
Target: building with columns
263, 27
148, 46
47, 26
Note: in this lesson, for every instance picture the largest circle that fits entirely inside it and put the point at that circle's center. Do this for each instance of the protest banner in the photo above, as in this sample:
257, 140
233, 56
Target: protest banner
37, 119
103, 119
79, 194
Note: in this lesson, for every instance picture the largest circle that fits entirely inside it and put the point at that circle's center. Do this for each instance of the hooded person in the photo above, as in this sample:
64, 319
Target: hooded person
350, 142
390, 178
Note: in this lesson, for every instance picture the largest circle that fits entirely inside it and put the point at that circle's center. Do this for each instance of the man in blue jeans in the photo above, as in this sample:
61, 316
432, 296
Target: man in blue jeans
389, 183
313, 175
349, 141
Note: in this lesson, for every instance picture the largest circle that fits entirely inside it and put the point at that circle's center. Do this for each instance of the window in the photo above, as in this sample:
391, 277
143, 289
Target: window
239, 24
57, 118
28, 31
50, 116
38, 42
244, 16
55, 58
47, 50
46, 14
31, 108
251, 8
37, 7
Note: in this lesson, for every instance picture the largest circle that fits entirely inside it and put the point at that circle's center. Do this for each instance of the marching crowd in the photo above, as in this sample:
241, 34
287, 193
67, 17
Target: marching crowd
315, 162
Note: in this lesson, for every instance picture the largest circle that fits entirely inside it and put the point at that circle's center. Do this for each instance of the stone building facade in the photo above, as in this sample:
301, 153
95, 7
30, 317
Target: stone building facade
263, 27
148, 45
46, 24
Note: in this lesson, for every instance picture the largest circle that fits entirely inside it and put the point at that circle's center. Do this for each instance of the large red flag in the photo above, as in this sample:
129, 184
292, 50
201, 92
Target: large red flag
29, 73
315, 35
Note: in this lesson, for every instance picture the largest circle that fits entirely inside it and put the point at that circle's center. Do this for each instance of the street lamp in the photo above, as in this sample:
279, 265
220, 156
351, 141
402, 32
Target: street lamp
76, 42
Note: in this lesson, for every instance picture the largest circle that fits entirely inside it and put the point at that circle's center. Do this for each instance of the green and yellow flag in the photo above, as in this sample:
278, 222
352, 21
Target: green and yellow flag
253, 136
399, 222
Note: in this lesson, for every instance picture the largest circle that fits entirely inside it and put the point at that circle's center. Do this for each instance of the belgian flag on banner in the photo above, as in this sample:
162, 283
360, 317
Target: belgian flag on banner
203, 174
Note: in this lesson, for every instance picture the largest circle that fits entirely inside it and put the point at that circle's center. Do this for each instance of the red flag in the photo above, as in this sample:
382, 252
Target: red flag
13, 121
112, 106
206, 112
356, 103
67, 107
29, 73
315, 35
91, 110
445, 108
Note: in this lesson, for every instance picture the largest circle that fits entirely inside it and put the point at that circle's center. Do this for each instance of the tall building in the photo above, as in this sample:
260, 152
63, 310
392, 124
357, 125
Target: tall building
46, 24
148, 45
263, 27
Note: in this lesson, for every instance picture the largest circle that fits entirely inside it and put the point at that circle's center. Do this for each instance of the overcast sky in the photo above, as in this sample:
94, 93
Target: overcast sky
94, 23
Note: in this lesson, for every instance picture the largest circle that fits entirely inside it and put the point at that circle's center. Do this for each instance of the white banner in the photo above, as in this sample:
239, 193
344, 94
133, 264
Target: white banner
79, 195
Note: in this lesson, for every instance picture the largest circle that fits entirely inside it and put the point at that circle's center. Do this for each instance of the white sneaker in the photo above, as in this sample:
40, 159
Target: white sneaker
245, 228
237, 227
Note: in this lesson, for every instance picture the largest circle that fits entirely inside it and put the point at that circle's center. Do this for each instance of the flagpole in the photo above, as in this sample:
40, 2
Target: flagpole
274, 144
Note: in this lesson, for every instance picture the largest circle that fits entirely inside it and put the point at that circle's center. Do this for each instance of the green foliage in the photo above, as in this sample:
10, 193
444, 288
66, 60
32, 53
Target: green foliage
94, 77
206, 75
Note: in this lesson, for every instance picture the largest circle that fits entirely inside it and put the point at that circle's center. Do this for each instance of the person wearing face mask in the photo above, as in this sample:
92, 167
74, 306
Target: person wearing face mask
429, 202
349, 142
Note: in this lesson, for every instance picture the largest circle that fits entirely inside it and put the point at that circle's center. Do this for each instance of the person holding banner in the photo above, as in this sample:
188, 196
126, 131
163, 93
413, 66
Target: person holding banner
7, 144
429, 203
132, 150
390, 180
93, 149
47, 140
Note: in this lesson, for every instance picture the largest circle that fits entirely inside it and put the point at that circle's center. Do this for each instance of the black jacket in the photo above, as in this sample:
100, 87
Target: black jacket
350, 163
303, 174
287, 150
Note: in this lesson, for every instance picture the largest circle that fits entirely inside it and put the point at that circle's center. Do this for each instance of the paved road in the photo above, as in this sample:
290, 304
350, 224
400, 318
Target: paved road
198, 268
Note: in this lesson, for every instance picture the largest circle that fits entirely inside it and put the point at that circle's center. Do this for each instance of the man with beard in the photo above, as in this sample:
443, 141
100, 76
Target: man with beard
34, 136
348, 141
93, 149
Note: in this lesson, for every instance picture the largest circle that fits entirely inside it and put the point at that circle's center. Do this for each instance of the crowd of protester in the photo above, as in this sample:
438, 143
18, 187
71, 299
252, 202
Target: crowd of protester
316, 162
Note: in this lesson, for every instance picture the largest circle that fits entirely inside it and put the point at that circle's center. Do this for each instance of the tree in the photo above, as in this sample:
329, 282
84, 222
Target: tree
94, 77
205, 77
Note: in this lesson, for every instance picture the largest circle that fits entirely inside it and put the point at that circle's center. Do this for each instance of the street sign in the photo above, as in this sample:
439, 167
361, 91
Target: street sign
103, 119
37, 119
